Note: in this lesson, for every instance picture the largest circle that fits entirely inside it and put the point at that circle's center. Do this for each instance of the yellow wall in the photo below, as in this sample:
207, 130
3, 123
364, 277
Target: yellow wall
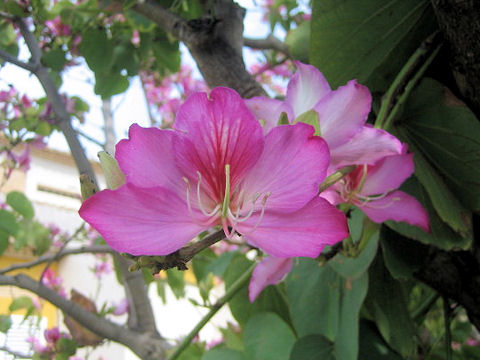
8, 293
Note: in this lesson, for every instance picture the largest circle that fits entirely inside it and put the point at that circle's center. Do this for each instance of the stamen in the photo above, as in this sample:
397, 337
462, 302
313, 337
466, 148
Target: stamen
226, 198
199, 199
387, 205
363, 178
252, 209
188, 194
262, 213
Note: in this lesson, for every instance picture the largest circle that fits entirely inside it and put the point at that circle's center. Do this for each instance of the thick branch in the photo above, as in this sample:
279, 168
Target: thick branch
215, 43
98, 249
460, 24
145, 346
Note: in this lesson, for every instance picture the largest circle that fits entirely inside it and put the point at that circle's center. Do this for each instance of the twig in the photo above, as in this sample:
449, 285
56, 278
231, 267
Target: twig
98, 249
56, 256
398, 84
269, 43
234, 289
12, 59
177, 259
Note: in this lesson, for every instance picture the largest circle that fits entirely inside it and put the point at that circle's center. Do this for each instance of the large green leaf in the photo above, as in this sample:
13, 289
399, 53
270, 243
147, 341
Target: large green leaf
4, 236
268, 337
324, 303
298, 41
20, 203
355, 39
448, 135
97, 50
8, 222
372, 346
107, 85
223, 354
312, 347
269, 300
387, 302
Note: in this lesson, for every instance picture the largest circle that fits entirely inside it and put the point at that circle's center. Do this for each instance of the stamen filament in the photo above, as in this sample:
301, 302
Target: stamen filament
188, 195
199, 199
226, 198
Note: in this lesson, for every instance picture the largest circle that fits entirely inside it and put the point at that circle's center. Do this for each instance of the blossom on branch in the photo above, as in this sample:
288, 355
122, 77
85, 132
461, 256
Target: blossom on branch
218, 168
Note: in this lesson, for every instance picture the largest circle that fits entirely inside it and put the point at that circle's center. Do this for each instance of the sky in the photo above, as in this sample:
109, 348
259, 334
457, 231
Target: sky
129, 107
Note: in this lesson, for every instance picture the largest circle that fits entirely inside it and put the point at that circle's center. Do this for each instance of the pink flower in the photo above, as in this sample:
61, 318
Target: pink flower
51, 280
135, 38
372, 188
57, 27
102, 268
342, 115
121, 308
217, 168
52, 335
269, 271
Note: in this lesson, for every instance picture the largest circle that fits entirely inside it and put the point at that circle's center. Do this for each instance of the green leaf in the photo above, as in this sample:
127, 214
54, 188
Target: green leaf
166, 53
402, 255
20, 203
268, 337
311, 118
66, 346
4, 236
313, 347
54, 59
298, 42
113, 175
107, 85
388, 303
125, 56
356, 39
43, 128
219, 265
193, 352
8, 222
242, 309
372, 346
223, 354
176, 282
448, 135
97, 50
22, 302
138, 21
5, 323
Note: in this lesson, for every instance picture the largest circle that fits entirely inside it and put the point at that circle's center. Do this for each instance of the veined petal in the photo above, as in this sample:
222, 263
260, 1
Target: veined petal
219, 130
332, 196
143, 221
366, 147
397, 206
343, 112
302, 233
306, 87
292, 166
269, 111
146, 158
388, 174
270, 271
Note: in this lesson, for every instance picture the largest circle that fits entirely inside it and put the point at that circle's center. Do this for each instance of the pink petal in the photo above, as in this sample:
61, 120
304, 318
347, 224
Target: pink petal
219, 130
270, 271
146, 158
269, 111
388, 174
366, 147
302, 233
306, 87
292, 166
142, 221
332, 196
343, 112
397, 206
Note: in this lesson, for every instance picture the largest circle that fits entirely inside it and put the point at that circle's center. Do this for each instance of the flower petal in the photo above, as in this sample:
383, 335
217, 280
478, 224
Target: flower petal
142, 221
269, 111
302, 233
366, 147
292, 166
306, 87
219, 130
388, 174
270, 271
343, 112
146, 158
397, 206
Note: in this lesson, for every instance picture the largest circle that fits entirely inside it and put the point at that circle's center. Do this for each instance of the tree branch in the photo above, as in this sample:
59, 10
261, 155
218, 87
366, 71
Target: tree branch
97, 249
145, 346
12, 59
215, 43
269, 43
